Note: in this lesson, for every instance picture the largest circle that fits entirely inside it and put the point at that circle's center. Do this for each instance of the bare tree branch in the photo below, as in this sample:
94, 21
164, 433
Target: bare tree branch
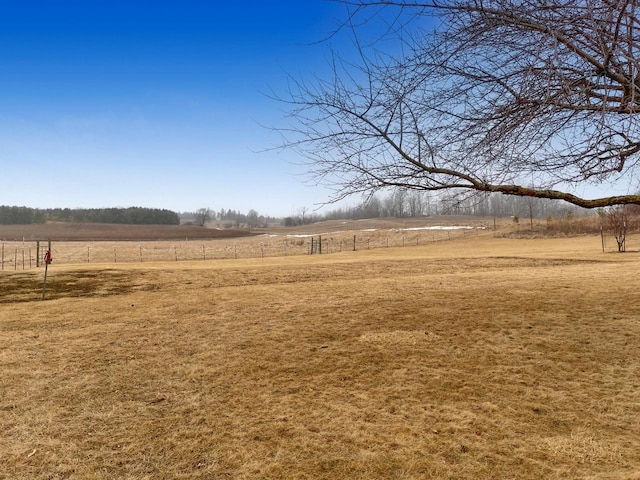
482, 96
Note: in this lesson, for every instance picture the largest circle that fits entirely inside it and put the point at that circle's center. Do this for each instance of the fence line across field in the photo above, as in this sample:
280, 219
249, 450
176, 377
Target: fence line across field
18, 255
24, 255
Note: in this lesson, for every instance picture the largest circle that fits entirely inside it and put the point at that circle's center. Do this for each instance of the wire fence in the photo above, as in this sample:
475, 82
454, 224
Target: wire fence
18, 256
23, 255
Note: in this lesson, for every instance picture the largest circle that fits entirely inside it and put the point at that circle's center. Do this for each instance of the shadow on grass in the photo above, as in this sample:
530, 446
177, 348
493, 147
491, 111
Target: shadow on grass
27, 287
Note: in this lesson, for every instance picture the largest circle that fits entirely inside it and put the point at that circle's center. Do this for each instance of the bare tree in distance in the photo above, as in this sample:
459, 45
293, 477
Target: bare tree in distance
252, 218
478, 96
302, 211
532, 206
203, 215
619, 220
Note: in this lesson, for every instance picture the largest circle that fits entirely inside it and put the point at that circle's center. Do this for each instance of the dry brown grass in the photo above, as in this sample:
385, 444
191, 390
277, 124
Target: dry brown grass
476, 358
337, 236
70, 231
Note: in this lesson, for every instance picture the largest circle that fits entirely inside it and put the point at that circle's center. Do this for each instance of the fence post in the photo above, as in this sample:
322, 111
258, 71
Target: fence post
47, 261
37, 253
44, 283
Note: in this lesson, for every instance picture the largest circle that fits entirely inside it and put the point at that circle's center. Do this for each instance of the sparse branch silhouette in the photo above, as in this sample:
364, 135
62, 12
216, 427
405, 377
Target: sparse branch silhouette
492, 96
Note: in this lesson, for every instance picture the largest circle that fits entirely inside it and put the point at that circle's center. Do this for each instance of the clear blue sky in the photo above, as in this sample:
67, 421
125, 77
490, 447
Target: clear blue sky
154, 103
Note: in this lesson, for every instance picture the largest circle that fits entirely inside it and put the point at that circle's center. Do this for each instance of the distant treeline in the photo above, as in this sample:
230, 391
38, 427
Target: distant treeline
401, 203
133, 215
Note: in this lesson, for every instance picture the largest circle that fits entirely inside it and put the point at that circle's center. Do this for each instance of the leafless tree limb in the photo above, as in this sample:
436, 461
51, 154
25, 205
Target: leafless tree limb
484, 96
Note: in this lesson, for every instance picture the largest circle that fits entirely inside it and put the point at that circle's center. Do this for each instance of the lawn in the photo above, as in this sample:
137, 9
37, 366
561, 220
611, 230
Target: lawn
474, 358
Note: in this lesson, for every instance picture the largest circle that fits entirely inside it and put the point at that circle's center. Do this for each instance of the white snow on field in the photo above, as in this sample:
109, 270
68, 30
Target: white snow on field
408, 229
307, 235
441, 227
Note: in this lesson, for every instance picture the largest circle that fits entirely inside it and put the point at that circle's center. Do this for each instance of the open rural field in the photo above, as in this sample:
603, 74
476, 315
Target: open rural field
100, 243
474, 358
69, 231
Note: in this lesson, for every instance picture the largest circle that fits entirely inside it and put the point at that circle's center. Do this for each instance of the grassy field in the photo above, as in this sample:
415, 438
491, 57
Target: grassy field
477, 358
69, 231
100, 243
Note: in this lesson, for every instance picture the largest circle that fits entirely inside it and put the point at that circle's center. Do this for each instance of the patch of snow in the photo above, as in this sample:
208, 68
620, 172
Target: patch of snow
441, 227
432, 227
306, 235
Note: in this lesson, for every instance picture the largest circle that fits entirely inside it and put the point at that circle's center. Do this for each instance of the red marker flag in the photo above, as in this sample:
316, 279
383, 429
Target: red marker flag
47, 260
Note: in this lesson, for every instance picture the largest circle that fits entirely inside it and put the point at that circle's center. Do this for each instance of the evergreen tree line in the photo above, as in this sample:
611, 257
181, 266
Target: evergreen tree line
227, 218
132, 215
252, 218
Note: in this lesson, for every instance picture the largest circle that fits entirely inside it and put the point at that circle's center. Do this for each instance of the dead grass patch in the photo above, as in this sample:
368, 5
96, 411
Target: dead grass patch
27, 287
87, 232
484, 358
